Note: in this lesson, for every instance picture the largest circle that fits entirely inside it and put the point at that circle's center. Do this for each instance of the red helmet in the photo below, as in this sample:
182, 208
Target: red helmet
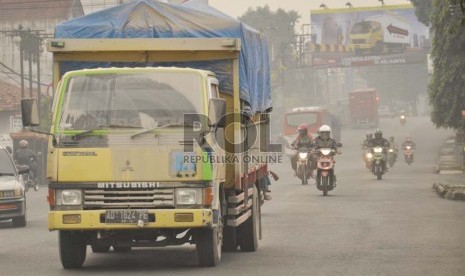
302, 127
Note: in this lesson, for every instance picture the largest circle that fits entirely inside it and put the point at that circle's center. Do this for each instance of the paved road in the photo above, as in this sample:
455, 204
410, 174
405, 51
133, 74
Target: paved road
397, 226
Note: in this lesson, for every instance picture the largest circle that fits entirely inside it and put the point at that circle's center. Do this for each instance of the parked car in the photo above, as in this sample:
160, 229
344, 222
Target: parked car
12, 195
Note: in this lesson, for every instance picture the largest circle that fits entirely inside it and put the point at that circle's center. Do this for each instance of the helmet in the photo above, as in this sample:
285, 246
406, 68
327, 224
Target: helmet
378, 134
369, 135
324, 132
391, 139
303, 129
23, 144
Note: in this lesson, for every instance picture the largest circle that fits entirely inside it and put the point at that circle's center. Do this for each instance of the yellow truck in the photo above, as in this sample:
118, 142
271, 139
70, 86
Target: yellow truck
379, 33
128, 168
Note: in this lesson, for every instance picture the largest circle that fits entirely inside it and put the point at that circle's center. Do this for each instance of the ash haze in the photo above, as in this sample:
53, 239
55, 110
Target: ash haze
238, 7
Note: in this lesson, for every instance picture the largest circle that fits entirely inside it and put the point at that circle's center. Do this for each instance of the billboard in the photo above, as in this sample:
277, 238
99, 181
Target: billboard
368, 36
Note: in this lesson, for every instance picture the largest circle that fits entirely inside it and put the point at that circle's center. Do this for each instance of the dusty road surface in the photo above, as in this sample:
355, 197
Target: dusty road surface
397, 226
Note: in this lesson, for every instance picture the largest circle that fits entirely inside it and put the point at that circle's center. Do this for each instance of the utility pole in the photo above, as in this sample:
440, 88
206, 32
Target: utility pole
30, 49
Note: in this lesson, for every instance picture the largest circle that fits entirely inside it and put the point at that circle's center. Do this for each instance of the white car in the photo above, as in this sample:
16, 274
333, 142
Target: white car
12, 195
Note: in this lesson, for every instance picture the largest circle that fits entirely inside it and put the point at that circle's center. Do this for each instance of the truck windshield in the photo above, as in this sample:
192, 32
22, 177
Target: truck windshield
134, 100
294, 120
361, 28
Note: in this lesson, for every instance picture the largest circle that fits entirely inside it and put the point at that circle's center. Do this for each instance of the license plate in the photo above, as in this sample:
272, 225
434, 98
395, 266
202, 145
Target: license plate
126, 216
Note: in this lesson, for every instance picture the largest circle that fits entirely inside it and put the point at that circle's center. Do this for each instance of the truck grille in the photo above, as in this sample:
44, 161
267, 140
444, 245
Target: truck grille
126, 198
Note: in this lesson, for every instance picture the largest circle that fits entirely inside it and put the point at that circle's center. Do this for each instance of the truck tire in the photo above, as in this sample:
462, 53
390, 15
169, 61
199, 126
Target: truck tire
19, 221
209, 242
72, 249
248, 231
100, 248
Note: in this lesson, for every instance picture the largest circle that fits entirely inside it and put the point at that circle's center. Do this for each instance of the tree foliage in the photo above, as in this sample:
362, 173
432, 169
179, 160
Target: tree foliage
279, 29
423, 10
447, 86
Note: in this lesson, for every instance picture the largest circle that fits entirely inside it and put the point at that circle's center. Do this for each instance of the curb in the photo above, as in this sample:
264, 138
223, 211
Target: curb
450, 192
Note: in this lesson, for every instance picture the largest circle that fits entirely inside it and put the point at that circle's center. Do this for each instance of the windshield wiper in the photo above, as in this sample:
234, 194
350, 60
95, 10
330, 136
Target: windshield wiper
80, 134
153, 129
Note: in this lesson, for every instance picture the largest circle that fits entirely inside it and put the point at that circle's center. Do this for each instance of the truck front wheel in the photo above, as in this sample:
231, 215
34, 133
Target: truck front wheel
72, 249
208, 243
249, 230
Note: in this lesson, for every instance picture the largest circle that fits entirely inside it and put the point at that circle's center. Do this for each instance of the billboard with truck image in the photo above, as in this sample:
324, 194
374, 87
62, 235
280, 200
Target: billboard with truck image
370, 30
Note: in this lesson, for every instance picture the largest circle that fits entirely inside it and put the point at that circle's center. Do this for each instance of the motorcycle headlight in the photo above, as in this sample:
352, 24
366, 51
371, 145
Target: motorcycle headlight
325, 151
391, 150
185, 196
402, 117
409, 147
303, 155
69, 197
378, 150
369, 155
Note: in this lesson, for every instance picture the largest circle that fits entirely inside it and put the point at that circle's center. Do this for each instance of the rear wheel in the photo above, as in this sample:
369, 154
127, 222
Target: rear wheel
72, 249
248, 231
122, 249
100, 248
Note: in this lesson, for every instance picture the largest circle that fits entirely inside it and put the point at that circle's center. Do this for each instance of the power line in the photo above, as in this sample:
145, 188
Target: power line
13, 72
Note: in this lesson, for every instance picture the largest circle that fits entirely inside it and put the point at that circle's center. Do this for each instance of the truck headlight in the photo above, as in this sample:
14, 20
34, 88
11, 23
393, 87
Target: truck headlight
69, 197
188, 196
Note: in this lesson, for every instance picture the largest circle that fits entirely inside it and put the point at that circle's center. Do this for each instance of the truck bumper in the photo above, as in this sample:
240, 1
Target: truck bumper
164, 218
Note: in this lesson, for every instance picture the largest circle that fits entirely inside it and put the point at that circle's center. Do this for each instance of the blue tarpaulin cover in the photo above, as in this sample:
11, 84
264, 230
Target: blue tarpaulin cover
153, 19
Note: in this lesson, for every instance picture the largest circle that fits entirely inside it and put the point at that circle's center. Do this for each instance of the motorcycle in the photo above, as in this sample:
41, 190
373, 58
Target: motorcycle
325, 177
303, 164
408, 154
29, 178
392, 157
379, 162
403, 120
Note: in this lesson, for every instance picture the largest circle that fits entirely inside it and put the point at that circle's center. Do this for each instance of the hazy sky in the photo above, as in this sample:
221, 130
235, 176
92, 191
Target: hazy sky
236, 8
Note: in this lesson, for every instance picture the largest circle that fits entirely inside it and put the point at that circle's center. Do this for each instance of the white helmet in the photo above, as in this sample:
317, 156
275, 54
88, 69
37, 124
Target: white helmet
324, 128
324, 132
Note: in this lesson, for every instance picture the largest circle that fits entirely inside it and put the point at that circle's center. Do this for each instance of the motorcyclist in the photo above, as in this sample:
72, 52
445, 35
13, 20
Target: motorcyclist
379, 141
25, 156
324, 140
304, 139
368, 138
408, 142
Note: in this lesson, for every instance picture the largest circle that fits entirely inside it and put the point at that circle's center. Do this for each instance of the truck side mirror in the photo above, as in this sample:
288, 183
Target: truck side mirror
29, 112
216, 112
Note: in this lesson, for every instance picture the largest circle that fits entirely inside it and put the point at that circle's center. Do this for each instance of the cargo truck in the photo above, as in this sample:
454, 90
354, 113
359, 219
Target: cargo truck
380, 33
127, 167
363, 105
